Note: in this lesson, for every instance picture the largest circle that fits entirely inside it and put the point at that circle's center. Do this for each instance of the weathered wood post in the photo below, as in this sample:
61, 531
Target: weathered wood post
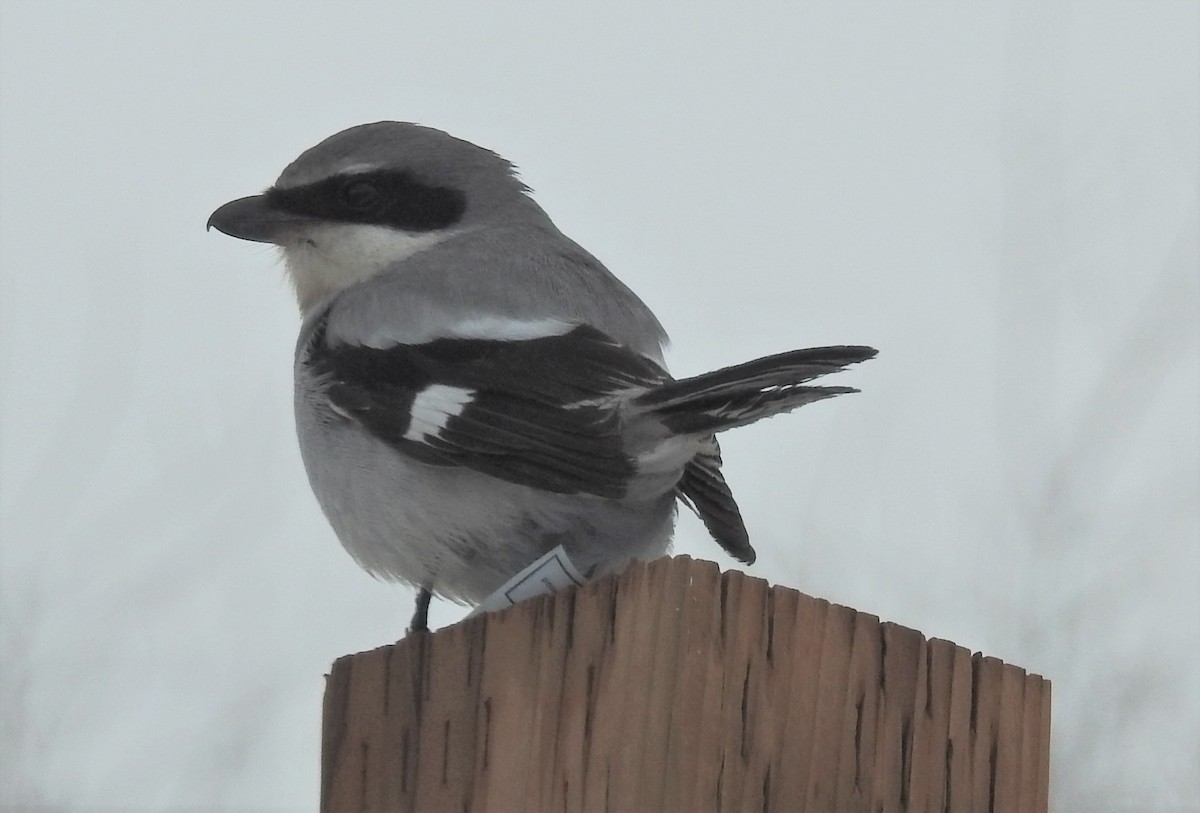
677, 687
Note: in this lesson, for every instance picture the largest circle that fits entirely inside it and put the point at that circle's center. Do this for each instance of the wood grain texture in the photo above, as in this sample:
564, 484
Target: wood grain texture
676, 687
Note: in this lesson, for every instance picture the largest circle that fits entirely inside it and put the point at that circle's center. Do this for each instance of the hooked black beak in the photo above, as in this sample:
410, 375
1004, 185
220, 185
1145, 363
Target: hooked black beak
253, 218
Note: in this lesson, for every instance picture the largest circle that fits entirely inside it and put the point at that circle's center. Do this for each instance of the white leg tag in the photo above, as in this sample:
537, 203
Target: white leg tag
551, 572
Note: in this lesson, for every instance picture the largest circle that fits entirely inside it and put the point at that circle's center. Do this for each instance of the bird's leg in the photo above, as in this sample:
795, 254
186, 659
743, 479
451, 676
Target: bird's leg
420, 619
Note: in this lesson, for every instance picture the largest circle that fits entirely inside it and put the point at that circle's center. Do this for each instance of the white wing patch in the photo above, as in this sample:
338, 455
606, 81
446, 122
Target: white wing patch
433, 407
506, 329
431, 324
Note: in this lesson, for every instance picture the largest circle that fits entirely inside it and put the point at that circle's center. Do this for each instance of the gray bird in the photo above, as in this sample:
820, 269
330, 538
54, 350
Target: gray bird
473, 389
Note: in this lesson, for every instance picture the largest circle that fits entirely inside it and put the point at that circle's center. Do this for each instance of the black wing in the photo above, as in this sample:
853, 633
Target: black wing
533, 412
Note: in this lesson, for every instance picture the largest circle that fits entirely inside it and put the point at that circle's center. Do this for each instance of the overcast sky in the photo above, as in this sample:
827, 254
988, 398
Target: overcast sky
1002, 198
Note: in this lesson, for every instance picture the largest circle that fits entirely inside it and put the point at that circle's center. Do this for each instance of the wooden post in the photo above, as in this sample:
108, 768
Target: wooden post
677, 687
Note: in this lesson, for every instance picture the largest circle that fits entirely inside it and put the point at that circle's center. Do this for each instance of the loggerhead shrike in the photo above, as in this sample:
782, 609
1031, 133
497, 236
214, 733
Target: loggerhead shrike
473, 389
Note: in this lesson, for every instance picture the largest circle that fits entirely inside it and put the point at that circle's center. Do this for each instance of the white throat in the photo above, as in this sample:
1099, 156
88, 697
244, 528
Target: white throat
324, 259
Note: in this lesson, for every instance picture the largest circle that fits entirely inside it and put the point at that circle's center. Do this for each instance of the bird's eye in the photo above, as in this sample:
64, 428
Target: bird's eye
359, 195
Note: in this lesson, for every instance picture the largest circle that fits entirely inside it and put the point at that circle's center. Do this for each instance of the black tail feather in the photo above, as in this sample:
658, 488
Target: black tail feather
744, 393
704, 490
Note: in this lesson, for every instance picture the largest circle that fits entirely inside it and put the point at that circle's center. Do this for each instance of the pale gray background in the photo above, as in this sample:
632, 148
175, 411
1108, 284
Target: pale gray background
1003, 199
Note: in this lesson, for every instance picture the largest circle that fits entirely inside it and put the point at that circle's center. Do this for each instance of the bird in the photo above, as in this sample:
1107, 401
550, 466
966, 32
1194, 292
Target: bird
474, 389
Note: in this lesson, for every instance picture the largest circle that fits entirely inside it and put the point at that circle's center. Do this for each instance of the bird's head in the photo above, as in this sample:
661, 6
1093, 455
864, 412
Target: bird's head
368, 197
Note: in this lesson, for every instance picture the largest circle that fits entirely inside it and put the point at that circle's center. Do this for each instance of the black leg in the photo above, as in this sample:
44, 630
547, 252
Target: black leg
420, 619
